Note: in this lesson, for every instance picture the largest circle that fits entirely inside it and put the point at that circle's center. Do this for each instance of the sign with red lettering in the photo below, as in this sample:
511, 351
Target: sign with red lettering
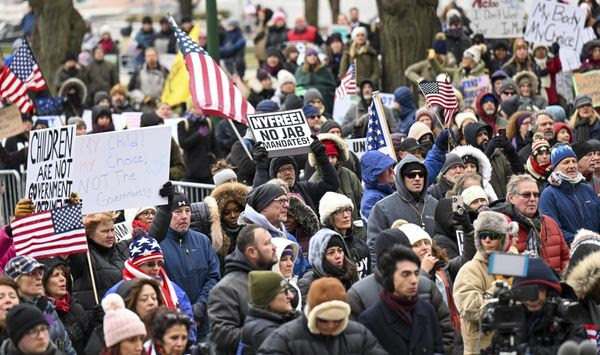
498, 18
282, 133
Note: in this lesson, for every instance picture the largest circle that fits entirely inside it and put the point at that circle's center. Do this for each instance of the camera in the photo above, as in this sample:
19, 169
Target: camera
458, 206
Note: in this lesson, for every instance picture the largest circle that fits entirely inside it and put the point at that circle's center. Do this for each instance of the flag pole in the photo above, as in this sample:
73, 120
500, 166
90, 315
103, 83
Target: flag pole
386, 129
452, 141
239, 137
89, 259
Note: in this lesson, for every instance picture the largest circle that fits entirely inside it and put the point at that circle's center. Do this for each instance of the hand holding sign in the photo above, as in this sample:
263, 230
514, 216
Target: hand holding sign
260, 156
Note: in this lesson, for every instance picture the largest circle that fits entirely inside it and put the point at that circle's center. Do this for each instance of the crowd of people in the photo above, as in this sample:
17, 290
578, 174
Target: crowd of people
329, 251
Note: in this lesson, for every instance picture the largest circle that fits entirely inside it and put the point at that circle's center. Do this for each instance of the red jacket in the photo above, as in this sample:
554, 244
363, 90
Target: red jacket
554, 249
309, 35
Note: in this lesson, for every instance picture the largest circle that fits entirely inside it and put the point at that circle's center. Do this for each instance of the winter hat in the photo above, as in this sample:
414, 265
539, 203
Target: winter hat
278, 15
584, 243
284, 76
388, 238
407, 145
263, 286
451, 161
357, 31
595, 144
310, 111
538, 144
277, 162
262, 74
104, 29
560, 125
70, 56
292, 102
223, 175
498, 75
582, 100
414, 233
509, 85
581, 149
510, 105
559, 153
439, 43
334, 37
557, 112
147, 19
179, 200
412, 166
119, 322
424, 111
397, 139
494, 222
22, 264
331, 202
289, 251
538, 273
474, 52
266, 106
142, 209
144, 249
329, 125
312, 94
260, 197
20, 319
311, 51
418, 130
327, 300
99, 96
453, 17
473, 193
463, 116
336, 241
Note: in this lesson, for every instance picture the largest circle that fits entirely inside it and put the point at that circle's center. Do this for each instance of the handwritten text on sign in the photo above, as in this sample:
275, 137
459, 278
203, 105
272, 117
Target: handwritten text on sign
125, 169
50, 167
497, 18
551, 22
282, 133
588, 84
10, 121
473, 86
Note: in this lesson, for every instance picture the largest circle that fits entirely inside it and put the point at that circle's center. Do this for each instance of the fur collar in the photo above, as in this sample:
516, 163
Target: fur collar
585, 276
340, 144
484, 163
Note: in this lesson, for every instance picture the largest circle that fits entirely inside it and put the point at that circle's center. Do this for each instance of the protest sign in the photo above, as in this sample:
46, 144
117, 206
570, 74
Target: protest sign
122, 169
551, 22
122, 231
588, 84
10, 121
50, 121
357, 146
473, 86
87, 118
387, 99
341, 106
132, 119
497, 18
50, 168
282, 133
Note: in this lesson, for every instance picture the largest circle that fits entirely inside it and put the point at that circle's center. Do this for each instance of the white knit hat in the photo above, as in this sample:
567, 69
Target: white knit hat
473, 52
358, 30
418, 129
473, 193
463, 116
414, 233
285, 76
331, 202
119, 322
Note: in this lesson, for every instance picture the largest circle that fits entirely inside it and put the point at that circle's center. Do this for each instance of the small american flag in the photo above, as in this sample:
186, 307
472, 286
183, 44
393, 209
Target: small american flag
49, 105
347, 83
211, 89
19, 76
378, 134
441, 94
50, 233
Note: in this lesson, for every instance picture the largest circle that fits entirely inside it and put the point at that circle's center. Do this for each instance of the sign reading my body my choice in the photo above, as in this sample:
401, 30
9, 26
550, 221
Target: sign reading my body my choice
282, 133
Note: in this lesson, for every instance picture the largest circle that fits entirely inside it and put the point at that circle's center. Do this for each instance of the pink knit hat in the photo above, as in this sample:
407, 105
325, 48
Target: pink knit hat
119, 322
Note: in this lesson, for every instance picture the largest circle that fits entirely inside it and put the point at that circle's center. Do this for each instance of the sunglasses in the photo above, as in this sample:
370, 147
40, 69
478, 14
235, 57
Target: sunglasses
492, 235
415, 174
529, 194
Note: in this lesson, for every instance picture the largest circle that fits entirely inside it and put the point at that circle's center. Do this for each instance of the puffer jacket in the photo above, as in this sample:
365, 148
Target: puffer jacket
228, 304
401, 205
553, 248
572, 206
260, 323
107, 264
406, 115
294, 338
372, 164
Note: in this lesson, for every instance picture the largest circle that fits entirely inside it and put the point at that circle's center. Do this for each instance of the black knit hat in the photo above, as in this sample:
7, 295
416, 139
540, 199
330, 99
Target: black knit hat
582, 148
179, 200
336, 241
260, 197
388, 238
328, 125
471, 159
21, 318
412, 166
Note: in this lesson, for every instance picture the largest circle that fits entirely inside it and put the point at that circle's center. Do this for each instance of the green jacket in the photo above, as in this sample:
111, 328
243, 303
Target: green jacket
322, 80
458, 73
367, 65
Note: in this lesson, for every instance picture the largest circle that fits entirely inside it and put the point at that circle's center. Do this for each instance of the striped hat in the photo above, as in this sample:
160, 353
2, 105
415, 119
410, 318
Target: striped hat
537, 144
144, 249
22, 264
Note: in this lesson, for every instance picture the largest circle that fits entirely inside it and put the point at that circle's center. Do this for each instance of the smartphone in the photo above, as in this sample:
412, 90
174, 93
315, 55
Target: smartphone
501, 132
507, 264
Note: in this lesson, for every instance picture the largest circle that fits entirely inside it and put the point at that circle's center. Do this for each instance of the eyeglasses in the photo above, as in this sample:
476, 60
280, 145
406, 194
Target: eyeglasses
528, 194
542, 151
289, 169
341, 211
415, 174
154, 263
492, 235
35, 332
282, 201
147, 213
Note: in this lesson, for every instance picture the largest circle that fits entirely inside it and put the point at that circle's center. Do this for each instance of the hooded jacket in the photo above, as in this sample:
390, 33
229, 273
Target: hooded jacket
493, 120
372, 164
584, 278
573, 207
402, 204
485, 168
308, 222
280, 245
406, 115
260, 323
228, 304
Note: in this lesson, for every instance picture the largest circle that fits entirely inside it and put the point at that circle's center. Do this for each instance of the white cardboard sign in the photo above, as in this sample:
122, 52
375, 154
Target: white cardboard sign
122, 169
551, 22
497, 18
282, 133
357, 146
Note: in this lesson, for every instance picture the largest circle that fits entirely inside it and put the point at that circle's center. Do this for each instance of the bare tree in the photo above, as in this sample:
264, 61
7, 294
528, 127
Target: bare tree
407, 30
186, 7
335, 9
58, 27
311, 12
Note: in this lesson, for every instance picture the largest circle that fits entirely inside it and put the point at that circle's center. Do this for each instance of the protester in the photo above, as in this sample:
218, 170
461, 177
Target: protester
287, 253
100, 75
27, 332
379, 178
147, 82
169, 333
452, 169
196, 138
585, 122
365, 57
9, 298
538, 164
124, 331
313, 74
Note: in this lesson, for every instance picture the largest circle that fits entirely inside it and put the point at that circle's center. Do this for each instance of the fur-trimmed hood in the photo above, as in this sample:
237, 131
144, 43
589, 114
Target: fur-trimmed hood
527, 75
339, 143
216, 232
585, 275
231, 191
485, 166
496, 222
305, 216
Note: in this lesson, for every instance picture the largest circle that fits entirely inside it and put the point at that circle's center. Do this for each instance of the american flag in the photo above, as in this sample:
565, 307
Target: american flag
442, 94
347, 83
50, 233
19, 76
49, 105
378, 134
211, 89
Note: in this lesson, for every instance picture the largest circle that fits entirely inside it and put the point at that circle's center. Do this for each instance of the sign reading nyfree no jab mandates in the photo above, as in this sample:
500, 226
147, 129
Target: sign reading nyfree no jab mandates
282, 133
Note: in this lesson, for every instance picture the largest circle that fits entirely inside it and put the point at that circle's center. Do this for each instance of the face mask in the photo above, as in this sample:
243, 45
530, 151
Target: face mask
426, 147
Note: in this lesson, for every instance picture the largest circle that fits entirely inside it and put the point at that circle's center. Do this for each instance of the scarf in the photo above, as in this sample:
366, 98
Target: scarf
582, 130
62, 305
171, 301
139, 224
556, 178
539, 172
534, 226
544, 80
401, 307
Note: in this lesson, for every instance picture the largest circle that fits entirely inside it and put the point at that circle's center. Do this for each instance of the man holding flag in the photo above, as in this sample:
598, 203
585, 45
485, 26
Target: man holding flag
356, 118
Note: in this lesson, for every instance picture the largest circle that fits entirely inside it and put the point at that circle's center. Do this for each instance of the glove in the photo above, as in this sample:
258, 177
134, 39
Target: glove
199, 310
97, 316
168, 190
24, 208
555, 48
463, 221
318, 149
74, 199
496, 142
441, 141
260, 155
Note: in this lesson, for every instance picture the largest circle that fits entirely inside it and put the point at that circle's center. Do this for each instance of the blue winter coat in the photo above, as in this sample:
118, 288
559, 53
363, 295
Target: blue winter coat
406, 115
184, 305
434, 161
233, 44
572, 206
372, 164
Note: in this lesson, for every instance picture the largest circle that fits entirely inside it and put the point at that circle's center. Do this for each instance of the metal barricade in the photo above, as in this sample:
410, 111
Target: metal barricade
10, 192
196, 192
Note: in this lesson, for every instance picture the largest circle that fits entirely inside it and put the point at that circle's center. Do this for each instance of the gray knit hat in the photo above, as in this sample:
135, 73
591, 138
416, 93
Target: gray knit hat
452, 160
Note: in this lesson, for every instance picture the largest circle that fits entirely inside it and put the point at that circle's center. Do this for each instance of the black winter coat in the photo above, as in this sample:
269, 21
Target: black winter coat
198, 149
245, 167
398, 337
294, 338
359, 253
260, 323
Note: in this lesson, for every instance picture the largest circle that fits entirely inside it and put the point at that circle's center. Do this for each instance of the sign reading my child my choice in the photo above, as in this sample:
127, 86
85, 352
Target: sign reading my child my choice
282, 133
